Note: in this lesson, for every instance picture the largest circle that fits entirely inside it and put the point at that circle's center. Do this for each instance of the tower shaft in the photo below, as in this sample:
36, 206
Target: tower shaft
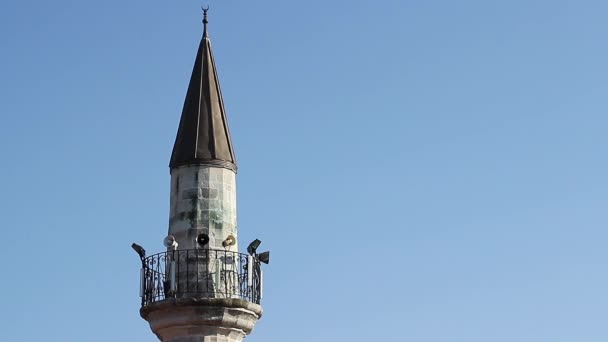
203, 201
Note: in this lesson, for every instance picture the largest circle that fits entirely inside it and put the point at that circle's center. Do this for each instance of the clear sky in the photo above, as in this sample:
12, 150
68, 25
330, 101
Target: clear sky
430, 171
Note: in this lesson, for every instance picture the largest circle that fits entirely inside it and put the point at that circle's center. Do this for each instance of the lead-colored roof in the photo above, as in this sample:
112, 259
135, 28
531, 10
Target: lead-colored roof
203, 137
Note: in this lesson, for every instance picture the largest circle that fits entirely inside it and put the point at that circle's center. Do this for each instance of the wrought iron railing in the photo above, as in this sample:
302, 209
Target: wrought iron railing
200, 273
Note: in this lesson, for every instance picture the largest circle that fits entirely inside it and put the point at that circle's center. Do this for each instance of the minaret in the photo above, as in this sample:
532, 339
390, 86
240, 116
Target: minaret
201, 288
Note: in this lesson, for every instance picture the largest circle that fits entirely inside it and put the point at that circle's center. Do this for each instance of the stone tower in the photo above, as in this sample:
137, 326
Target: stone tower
201, 289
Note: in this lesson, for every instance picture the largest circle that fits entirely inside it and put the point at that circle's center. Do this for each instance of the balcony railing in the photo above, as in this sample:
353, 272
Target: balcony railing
200, 273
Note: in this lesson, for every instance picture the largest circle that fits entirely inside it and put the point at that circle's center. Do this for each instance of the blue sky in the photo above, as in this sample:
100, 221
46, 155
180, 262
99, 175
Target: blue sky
421, 170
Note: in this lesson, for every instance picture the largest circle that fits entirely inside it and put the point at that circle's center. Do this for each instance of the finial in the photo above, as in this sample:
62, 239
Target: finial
205, 21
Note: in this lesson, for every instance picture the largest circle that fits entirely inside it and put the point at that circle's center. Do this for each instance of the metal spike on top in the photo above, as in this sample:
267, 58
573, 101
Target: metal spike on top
205, 21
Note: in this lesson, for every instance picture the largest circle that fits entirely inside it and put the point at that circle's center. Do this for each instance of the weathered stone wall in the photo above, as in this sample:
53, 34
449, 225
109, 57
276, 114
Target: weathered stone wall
203, 200
202, 320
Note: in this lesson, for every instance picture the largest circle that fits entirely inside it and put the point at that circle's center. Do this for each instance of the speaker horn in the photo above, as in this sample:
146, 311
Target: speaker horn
202, 239
170, 242
230, 241
264, 257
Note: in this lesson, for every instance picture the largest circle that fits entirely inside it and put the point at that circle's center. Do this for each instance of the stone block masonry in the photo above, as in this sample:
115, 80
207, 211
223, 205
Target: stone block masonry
203, 200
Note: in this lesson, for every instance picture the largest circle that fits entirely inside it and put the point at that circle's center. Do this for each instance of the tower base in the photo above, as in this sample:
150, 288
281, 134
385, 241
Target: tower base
201, 320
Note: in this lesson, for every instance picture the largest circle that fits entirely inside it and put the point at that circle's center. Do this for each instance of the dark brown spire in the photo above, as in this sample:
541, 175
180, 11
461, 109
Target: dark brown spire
203, 137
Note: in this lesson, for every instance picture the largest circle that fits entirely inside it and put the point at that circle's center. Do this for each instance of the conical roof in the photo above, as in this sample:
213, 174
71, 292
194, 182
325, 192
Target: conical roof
203, 137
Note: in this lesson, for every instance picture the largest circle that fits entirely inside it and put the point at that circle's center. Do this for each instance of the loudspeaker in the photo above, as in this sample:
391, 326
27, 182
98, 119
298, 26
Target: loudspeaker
230, 241
202, 239
170, 242
264, 257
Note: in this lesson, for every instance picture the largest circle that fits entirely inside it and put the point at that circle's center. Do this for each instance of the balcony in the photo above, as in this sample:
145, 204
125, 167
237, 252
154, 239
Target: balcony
200, 273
